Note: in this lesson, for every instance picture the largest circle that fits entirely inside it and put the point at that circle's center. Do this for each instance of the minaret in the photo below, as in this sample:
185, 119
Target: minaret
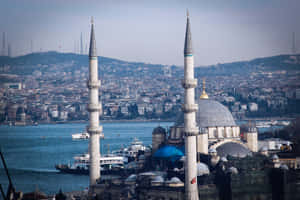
94, 108
3, 45
81, 44
189, 108
8, 50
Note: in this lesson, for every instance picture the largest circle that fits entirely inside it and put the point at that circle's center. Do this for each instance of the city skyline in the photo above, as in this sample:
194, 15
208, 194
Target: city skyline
152, 32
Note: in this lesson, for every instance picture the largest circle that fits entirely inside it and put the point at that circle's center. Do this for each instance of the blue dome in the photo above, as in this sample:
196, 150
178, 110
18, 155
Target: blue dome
169, 152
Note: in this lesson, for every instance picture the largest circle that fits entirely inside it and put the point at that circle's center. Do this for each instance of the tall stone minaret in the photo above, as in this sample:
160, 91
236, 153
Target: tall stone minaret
94, 108
189, 108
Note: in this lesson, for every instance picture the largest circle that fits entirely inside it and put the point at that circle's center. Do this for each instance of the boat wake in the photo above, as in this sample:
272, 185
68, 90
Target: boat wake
34, 170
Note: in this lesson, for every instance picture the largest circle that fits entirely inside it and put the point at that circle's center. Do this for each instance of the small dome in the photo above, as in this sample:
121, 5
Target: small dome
233, 170
176, 169
264, 148
233, 149
147, 174
275, 157
182, 159
212, 150
131, 178
202, 169
159, 130
224, 159
158, 179
284, 167
174, 180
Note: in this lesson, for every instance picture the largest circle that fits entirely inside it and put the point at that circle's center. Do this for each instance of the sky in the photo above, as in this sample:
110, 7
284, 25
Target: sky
152, 31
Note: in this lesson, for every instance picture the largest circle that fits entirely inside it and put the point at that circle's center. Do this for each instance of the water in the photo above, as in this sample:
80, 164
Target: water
31, 152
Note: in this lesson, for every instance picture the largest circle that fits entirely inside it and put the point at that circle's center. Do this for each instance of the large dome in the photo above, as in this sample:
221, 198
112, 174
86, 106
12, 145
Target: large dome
210, 114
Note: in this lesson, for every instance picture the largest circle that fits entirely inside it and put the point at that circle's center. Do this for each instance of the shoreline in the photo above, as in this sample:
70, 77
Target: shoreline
138, 120
86, 121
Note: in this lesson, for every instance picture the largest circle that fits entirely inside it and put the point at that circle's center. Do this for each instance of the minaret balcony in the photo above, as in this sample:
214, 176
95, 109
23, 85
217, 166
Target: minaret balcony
189, 83
191, 132
94, 107
187, 108
95, 130
93, 84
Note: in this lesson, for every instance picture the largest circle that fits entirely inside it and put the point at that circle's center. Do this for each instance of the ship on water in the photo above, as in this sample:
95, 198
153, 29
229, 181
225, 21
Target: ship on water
115, 163
80, 136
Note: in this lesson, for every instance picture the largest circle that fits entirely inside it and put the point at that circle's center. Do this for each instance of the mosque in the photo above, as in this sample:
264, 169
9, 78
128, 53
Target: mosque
217, 130
203, 155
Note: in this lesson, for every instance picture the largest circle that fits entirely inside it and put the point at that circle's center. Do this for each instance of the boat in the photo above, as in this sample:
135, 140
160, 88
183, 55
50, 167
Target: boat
107, 159
109, 164
263, 124
131, 152
80, 136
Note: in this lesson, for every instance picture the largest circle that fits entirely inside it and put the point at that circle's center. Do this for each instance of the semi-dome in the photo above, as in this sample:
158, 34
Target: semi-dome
233, 149
159, 130
210, 114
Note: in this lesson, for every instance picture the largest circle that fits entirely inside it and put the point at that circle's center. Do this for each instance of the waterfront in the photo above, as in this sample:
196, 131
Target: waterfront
32, 151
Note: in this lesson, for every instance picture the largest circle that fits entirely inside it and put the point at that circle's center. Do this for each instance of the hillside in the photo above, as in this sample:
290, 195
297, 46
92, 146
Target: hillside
65, 62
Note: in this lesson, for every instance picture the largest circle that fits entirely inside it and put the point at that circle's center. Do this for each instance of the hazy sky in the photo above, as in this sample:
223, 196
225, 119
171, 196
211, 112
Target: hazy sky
153, 31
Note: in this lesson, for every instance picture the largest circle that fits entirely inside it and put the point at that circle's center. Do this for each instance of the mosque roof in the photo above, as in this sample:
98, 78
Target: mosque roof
210, 114
169, 152
233, 149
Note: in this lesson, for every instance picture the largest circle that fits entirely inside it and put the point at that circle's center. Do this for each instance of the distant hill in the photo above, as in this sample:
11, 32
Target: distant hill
66, 62
280, 62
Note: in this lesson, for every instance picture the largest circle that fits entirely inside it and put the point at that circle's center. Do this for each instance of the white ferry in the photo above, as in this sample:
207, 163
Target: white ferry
131, 151
80, 136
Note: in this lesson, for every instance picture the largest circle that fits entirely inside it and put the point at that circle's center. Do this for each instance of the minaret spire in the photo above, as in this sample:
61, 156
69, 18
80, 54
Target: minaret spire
94, 108
189, 109
93, 49
188, 37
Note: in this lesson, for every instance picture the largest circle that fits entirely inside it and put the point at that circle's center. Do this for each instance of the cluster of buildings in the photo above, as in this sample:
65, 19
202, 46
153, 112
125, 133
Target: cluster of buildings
54, 96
